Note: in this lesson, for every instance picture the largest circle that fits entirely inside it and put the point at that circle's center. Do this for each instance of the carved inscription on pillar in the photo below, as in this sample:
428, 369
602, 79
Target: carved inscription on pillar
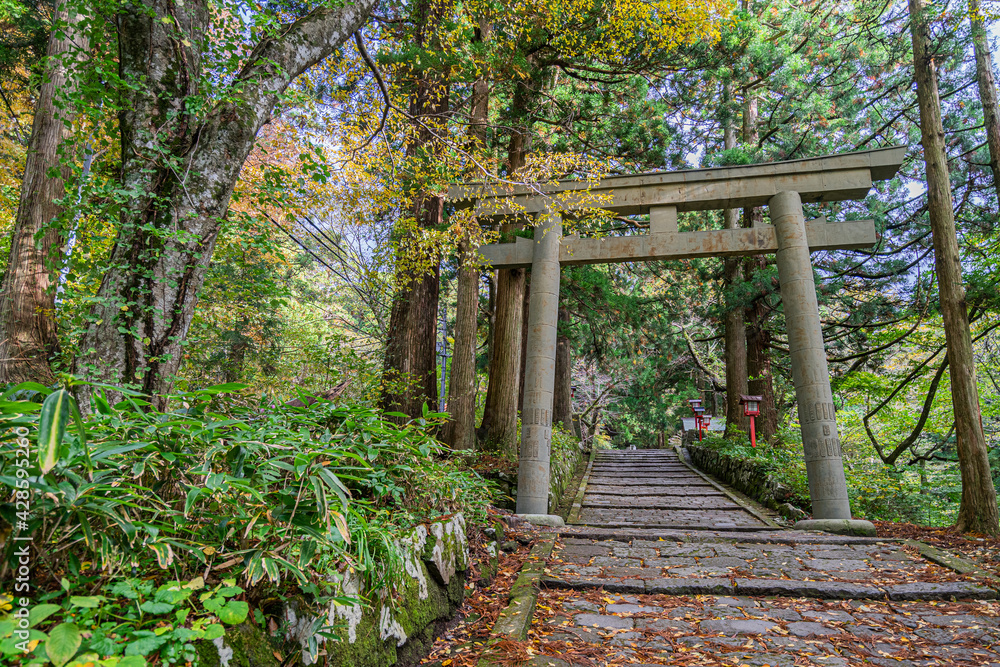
827, 490
819, 430
537, 438
817, 412
539, 416
822, 448
529, 445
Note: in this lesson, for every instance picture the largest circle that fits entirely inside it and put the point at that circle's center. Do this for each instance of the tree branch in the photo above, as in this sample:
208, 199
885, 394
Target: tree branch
370, 62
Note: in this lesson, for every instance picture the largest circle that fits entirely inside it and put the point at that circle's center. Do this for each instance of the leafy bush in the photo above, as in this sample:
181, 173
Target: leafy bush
782, 460
877, 491
269, 495
131, 620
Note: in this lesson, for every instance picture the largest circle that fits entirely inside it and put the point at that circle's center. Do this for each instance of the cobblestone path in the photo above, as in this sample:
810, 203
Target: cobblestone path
653, 489
661, 566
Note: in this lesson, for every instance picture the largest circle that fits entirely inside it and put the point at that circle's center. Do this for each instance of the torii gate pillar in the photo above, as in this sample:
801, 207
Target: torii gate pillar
539, 369
782, 186
810, 375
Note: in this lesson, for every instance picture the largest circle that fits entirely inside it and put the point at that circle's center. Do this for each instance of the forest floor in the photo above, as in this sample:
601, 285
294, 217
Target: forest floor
631, 590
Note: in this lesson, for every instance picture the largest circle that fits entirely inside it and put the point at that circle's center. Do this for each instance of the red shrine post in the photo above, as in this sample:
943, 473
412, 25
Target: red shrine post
751, 408
698, 411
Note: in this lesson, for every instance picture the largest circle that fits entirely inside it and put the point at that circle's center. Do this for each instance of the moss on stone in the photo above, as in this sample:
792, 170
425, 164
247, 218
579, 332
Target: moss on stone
416, 617
250, 646
370, 650
207, 654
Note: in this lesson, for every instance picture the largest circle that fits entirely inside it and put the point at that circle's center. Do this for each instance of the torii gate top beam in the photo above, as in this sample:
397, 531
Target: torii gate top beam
826, 178
782, 186
664, 194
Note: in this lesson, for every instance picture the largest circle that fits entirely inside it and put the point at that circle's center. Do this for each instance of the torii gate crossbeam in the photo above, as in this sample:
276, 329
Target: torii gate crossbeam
783, 187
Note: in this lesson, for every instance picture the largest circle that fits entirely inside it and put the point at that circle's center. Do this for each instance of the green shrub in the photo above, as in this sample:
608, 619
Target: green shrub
274, 496
877, 491
131, 619
783, 460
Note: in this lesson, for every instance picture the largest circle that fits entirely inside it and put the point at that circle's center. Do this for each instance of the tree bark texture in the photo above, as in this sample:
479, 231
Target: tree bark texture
978, 508
733, 325
28, 336
410, 372
758, 342
758, 337
524, 340
498, 431
460, 431
562, 398
499, 426
987, 89
168, 228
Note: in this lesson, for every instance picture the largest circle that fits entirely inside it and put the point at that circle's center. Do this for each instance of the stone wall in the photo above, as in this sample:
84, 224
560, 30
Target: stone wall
396, 628
563, 465
747, 477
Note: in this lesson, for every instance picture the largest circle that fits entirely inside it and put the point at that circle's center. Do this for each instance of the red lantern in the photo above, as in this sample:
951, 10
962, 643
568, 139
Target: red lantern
751, 408
699, 419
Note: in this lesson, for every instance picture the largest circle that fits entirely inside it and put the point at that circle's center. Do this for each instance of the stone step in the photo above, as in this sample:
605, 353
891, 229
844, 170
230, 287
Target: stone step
665, 492
823, 590
646, 475
607, 481
663, 503
603, 459
642, 469
667, 526
696, 518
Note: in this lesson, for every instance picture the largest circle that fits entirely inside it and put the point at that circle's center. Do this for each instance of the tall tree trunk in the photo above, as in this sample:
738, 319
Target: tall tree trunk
562, 400
460, 431
524, 341
987, 89
28, 337
735, 329
491, 314
410, 370
498, 430
758, 342
758, 336
499, 424
978, 509
169, 225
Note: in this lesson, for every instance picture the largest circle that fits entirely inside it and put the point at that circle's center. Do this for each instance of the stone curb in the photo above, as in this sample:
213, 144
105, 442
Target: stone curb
747, 504
858, 527
822, 590
675, 527
946, 559
574, 512
515, 619
722, 536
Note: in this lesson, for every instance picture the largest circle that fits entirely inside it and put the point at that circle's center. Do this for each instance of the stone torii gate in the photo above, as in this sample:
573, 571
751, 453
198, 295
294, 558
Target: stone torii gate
782, 187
